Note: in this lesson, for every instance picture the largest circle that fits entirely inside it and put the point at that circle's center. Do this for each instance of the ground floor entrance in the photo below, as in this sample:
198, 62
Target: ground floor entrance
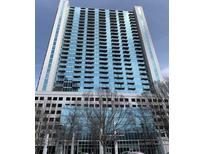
93, 147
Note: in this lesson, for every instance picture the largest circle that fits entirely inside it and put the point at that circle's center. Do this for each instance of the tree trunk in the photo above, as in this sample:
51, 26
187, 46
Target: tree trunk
45, 148
72, 144
116, 147
101, 148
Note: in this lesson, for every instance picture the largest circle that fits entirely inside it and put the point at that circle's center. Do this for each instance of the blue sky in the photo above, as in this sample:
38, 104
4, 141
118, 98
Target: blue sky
156, 12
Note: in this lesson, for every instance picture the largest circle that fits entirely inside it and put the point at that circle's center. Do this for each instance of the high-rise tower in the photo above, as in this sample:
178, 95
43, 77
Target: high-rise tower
99, 48
100, 63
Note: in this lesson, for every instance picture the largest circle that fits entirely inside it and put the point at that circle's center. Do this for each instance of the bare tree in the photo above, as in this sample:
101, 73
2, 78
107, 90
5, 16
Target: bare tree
162, 94
70, 126
162, 89
42, 128
148, 129
159, 107
107, 119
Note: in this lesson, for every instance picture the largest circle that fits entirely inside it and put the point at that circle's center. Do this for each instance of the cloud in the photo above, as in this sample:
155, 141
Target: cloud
165, 72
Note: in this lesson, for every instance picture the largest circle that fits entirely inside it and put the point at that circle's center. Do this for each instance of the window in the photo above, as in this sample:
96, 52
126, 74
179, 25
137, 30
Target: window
53, 105
48, 105
116, 105
128, 68
40, 105
155, 106
88, 82
49, 98
127, 64
36, 98
117, 68
130, 83
119, 88
55, 98
58, 112
53, 112
150, 100
104, 105
130, 78
46, 111
67, 98
103, 99
163, 134
79, 99
59, 105
57, 119
60, 98
103, 77
41, 98
166, 100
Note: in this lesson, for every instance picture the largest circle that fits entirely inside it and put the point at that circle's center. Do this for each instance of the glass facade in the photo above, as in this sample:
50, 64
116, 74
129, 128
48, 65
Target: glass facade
101, 49
148, 45
134, 129
45, 83
128, 119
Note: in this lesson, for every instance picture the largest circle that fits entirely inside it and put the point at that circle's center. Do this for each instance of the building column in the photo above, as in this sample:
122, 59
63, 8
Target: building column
100, 147
61, 150
116, 147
